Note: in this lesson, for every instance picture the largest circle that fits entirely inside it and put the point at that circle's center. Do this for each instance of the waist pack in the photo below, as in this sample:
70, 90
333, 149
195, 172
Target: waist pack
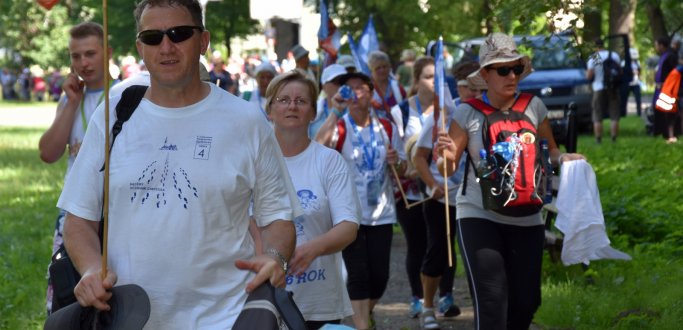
510, 184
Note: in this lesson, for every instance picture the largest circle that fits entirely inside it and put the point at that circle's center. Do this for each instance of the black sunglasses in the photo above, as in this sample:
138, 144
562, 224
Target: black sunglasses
505, 70
176, 34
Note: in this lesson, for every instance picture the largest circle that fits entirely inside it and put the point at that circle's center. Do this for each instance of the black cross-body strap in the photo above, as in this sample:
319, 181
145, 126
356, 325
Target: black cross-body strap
130, 99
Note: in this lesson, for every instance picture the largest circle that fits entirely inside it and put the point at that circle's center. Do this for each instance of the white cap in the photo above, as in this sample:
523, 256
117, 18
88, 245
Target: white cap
332, 71
346, 61
265, 66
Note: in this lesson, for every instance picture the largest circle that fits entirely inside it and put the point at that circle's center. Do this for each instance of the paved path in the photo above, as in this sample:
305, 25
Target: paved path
23, 116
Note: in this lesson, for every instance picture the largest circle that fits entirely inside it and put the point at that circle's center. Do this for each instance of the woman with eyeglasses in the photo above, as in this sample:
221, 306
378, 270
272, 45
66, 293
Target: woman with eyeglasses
370, 145
387, 91
327, 195
502, 254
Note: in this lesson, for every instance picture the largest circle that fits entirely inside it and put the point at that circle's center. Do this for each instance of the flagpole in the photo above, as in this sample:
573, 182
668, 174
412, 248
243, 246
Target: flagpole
437, 107
105, 198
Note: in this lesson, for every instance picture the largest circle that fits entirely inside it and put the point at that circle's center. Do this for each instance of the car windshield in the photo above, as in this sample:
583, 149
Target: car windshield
551, 54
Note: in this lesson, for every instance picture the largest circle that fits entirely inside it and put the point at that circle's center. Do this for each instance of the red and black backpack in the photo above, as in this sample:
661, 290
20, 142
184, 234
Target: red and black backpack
512, 185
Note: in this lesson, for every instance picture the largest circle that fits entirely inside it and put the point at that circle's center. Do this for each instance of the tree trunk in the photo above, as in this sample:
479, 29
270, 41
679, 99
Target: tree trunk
592, 20
656, 19
487, 14
622, 15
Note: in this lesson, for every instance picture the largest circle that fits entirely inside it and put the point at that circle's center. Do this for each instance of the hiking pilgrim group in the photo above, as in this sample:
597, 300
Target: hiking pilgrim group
207, 195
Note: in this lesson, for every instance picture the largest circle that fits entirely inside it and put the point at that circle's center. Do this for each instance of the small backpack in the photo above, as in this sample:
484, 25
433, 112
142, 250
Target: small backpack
612, 72
511, 185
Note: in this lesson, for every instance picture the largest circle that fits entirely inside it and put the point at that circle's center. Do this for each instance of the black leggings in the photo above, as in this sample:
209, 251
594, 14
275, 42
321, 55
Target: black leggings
415, 231
367, 262
503, 264
436, 259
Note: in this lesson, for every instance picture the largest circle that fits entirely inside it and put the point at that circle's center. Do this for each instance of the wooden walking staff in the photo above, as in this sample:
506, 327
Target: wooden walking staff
439, 107
105, 197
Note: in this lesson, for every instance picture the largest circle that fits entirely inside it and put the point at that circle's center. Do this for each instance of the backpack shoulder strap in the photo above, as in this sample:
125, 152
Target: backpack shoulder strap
522, 102
130, 99
387, 127
481, 106
341, 134
405, 112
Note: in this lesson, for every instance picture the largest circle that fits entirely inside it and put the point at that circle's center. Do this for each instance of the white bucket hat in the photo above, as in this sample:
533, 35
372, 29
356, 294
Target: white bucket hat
498, 48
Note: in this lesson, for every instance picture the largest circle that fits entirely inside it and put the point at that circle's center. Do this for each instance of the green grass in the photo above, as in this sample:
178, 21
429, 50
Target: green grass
640, 178
28, 194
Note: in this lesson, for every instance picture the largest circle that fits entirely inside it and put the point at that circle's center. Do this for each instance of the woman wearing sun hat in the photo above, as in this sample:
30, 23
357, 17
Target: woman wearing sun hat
502, 254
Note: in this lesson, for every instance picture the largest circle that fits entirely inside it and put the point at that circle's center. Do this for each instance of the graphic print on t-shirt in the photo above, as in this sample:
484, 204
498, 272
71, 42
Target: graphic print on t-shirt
153, 185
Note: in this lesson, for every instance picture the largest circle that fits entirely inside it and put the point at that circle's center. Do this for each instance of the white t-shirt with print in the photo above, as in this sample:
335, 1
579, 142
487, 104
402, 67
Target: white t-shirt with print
327, 195
369, 168
181, 180
91, 99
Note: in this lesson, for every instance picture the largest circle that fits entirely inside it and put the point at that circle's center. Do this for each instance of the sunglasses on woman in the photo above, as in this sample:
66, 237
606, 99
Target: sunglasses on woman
505, 70
176, 34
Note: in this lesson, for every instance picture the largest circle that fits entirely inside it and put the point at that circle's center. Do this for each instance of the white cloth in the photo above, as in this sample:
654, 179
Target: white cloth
328, 197
180, 184
595, 63
580, 216
384, 211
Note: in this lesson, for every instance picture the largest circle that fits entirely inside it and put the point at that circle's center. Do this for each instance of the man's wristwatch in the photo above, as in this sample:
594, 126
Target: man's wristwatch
280, 257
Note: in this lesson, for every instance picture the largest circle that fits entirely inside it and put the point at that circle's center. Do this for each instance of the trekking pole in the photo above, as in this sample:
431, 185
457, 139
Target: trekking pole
105, 197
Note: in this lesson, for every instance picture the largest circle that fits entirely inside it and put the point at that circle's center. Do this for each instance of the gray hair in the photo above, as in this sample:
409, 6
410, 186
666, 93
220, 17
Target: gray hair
376, 57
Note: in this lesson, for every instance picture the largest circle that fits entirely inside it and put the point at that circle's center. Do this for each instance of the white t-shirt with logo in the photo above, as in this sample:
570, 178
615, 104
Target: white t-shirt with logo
327, 195
90, 101
181, 180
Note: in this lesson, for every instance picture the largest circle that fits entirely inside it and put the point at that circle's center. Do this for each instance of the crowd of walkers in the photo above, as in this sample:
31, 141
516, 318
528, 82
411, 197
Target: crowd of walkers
216, 188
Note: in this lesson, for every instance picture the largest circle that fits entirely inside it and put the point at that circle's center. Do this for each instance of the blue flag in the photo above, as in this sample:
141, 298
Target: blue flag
439, 81
360, 63
368, 41
323, 31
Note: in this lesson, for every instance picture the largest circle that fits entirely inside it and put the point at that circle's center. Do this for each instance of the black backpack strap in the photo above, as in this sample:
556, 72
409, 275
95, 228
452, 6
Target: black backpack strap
130, 99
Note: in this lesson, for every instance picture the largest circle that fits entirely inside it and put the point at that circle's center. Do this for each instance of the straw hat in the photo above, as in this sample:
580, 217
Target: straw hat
498, 48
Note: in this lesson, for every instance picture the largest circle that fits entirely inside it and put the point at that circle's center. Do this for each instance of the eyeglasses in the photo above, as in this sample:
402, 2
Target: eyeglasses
286, 101
176, 34
505, 70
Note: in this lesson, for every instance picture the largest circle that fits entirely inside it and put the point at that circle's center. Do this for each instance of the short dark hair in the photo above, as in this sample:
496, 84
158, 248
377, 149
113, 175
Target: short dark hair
664, 41
463, 69
87, 29
192, 6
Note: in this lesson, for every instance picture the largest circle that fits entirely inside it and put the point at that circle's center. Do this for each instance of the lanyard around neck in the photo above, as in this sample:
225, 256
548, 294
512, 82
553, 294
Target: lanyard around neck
83, 120
369, 151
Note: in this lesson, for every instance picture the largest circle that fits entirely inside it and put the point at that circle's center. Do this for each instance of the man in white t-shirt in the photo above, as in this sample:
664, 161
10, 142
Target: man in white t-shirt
83, 92
182, 173
604, 97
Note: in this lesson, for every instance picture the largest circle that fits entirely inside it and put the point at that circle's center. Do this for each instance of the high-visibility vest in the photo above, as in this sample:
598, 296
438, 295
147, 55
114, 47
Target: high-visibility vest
666, 102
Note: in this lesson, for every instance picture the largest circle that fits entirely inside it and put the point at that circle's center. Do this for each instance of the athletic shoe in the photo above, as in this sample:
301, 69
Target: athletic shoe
415, 307
447, 308
428, 320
